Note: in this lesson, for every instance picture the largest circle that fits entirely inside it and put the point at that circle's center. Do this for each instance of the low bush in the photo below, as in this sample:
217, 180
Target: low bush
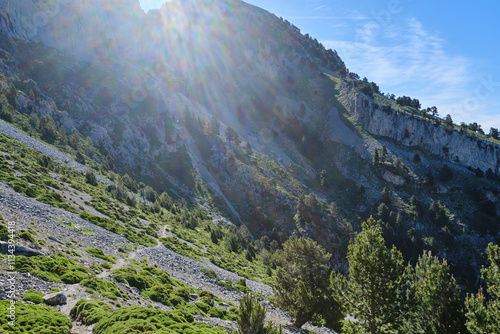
33, 319
52, 268
105, 288
90, 311
96, 252
137, 319
33, 296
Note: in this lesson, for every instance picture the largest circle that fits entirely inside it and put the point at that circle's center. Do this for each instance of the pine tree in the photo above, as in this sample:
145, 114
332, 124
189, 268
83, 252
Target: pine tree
376, 158
384, 153
433, 298
494, 133
383, 212
371, 293
248, 149
483, 314
323, 177
232, 136
386, 198
416, 206
251, 317
6, 110
215, 126
90, 178
302, 285
448, 121
48, 128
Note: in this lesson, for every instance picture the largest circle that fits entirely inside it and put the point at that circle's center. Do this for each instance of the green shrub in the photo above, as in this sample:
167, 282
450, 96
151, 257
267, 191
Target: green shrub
216, 312
175, 300
210, 273
96, 252
161, 293
33, 296
51, 268
90, 311
191, 309
33, 319
251, 318
4, 233
203, 306
137, 319
96, 268
106, 265
26, 236
164, 278
182, 248
141, 280
73, 277
207, 300
56, 200
105, 288
90, 178
183, 293
112, 225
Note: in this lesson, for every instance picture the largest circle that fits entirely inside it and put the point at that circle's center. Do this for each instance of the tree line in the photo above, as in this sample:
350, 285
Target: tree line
379, 293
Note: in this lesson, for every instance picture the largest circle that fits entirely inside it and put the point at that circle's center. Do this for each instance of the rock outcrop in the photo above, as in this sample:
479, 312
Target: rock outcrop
466, 150
19, 250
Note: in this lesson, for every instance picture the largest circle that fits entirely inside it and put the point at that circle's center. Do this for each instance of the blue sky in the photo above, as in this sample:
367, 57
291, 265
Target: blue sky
445, 53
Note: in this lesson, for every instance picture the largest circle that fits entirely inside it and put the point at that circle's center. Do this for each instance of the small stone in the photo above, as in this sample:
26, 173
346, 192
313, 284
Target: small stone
56, 298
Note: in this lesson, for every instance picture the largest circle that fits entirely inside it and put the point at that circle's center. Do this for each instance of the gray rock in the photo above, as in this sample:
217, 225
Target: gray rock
19, 250
56, 298
465, 150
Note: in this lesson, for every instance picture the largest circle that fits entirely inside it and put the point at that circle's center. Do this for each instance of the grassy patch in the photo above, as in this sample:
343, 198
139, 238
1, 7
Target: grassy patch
182, 248
112, 225
33, 319
33, 296
139, 279
130, 319
90, 311
105, 288
53, 269
26, 236
100, 254
210, 273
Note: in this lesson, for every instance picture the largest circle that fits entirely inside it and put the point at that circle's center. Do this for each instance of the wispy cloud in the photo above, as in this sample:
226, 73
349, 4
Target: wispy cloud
405, 59
321, 7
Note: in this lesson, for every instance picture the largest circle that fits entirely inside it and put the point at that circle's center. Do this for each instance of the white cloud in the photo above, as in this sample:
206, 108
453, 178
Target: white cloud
405, 59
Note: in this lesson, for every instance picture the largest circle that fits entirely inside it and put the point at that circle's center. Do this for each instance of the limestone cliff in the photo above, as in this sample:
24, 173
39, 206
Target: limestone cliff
456, 147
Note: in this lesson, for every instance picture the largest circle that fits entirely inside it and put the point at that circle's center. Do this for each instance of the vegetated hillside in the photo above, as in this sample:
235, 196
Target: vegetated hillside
235, 112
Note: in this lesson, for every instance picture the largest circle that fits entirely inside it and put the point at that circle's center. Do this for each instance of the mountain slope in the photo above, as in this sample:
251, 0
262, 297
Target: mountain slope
233, 110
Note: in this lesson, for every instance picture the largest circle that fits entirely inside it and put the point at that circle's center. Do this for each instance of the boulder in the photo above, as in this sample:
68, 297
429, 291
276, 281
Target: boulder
19, 250
56, 298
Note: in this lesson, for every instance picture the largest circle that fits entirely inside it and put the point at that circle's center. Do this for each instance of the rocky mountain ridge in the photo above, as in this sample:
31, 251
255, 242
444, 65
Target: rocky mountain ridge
450, 144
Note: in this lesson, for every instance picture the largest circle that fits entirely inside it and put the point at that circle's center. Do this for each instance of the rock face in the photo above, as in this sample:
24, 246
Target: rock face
19, 250
414, 131
87, 28
56, 298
